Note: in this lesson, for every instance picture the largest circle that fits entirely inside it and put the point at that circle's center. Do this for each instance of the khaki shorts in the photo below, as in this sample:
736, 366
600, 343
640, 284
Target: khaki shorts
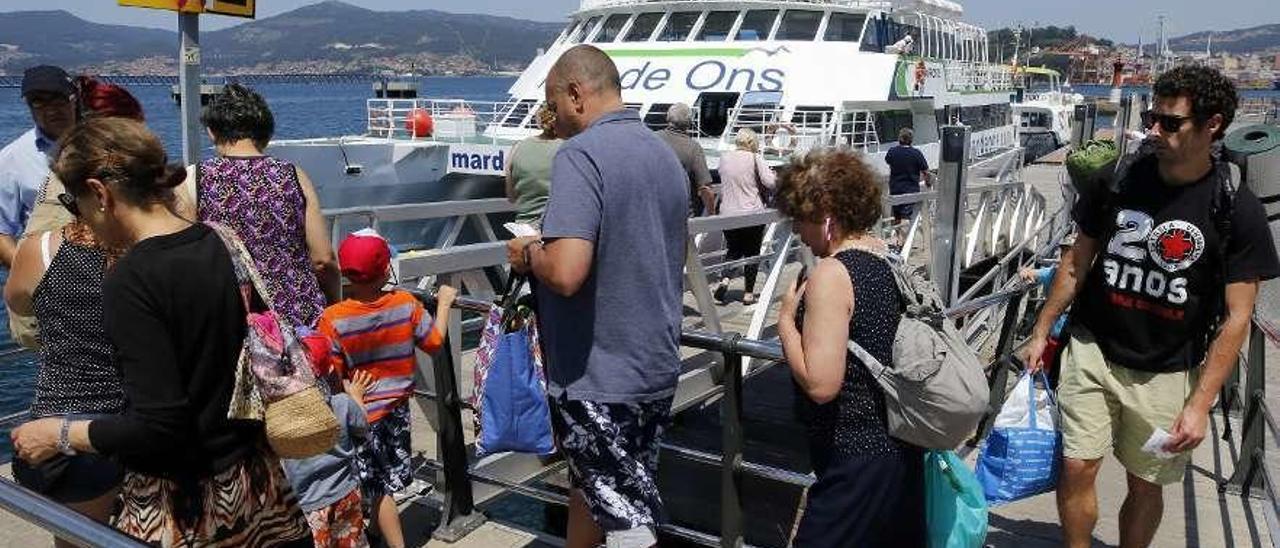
1105, 407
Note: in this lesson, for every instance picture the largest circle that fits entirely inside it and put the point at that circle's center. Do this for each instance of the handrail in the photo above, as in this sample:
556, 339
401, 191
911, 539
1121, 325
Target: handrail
63, 522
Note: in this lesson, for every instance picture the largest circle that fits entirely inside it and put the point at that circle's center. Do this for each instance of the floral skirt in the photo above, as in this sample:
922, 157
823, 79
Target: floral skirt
249, 504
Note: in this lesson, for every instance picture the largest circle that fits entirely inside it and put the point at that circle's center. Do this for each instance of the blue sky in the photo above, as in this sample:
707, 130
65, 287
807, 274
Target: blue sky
1119, 20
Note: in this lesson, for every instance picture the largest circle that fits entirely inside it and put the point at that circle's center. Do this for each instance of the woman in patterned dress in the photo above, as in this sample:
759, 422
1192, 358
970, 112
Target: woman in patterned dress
174, 314
270, 204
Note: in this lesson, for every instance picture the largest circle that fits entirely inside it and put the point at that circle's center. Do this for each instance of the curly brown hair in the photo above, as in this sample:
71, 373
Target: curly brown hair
1209, 91
831, 183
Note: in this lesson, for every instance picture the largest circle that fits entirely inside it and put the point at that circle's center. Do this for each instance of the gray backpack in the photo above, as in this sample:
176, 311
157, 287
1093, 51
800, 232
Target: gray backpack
937, 390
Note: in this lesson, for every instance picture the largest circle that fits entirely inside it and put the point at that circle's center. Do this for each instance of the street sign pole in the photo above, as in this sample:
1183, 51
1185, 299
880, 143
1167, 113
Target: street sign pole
189, 83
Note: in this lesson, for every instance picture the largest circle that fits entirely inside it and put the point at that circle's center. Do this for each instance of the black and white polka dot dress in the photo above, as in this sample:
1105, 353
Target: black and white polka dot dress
78, 372
855, 422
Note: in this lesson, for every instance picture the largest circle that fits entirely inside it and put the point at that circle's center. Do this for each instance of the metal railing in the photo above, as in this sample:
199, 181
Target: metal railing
1251, 469
452, 120
63, 522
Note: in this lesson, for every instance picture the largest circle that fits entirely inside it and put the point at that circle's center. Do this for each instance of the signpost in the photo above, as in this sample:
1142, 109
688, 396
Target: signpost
189, 58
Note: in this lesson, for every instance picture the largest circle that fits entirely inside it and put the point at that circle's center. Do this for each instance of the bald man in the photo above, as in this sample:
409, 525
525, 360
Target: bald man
608, 268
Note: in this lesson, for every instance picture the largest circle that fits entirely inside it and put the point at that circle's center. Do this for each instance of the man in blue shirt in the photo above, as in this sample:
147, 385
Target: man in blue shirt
24, 163
907, 169
608, 268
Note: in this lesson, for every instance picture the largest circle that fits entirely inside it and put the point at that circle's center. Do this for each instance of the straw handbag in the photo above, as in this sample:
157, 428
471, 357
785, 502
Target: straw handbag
274, 379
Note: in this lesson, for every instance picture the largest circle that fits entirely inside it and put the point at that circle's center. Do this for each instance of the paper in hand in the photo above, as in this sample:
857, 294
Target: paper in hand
1155, 445
520, 230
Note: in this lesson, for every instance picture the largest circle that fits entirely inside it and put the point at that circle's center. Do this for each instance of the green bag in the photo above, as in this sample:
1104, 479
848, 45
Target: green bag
955, 508
1093, 164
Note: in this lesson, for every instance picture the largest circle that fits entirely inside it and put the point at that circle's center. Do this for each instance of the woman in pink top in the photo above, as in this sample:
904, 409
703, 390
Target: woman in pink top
743, 177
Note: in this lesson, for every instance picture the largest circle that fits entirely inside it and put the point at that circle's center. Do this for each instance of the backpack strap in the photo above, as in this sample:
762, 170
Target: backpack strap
873, 365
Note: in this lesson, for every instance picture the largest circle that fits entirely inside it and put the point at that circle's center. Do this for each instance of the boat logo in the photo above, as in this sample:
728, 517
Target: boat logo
1175, 245
769, 52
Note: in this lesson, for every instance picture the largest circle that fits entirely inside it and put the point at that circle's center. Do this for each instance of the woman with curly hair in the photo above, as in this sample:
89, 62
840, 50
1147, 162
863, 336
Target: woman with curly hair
870, 486
529, 171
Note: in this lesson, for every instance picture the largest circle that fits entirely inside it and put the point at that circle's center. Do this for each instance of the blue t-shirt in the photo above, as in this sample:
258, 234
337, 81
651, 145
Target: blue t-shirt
617, 339
24, 167
905, 164
322, 480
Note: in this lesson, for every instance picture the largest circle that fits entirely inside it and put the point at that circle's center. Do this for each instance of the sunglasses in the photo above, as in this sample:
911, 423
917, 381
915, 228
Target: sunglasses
45, 100
1169, 123
69, 202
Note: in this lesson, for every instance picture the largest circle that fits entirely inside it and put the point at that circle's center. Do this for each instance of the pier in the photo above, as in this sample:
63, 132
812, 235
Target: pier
734, 469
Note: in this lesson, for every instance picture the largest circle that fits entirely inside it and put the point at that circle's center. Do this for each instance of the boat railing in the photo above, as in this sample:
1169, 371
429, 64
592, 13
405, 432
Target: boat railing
783, 131
1258, 110
964, 76
451, 120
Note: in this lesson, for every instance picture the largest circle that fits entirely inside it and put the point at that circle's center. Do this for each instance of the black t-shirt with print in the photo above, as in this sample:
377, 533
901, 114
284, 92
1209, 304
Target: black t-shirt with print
1155, 288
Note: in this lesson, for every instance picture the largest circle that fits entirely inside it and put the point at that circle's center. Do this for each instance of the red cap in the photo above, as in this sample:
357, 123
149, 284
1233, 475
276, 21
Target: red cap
364, 259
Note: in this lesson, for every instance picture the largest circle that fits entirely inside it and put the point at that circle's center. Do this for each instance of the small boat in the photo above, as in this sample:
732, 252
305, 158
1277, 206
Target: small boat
1044, 115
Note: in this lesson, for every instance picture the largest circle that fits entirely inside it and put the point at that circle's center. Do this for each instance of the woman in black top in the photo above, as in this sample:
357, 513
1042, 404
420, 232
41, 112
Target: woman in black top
175, 317
870, 486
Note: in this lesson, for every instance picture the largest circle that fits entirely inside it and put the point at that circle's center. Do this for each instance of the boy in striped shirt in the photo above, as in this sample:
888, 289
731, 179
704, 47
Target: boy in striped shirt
378, 332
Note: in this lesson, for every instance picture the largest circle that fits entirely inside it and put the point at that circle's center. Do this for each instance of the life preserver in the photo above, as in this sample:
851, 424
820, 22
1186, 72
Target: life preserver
781, 136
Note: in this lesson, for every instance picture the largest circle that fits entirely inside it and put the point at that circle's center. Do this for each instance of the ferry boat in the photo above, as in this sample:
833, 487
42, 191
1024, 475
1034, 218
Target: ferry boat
1044, 113
803, 73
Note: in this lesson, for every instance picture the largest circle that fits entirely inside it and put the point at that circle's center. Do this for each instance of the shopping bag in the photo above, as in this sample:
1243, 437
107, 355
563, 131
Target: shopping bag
954, 506
1022, 455
510, 389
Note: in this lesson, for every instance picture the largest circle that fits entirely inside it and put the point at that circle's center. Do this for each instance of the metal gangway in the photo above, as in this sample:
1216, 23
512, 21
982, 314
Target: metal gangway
981, 222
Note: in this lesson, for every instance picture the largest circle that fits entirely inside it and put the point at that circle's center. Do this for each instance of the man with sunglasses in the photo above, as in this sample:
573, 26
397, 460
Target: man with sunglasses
1166, 268
24, 163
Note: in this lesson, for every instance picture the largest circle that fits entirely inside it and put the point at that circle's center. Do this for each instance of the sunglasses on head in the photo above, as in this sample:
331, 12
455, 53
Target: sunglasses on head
1169, 123
69, 202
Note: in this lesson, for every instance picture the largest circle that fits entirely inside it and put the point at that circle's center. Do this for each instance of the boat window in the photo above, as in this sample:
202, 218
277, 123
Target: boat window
518, 113
717, 26
845, 27
643, 27
656, 118
611, 27
756, 25
581, 32
714, 109
890, 122
799, 25
812, 117
568, 31
679, 25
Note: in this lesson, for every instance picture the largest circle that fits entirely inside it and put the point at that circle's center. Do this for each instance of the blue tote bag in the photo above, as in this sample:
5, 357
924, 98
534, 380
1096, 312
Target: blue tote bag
954, 506
1022, 455
510, 398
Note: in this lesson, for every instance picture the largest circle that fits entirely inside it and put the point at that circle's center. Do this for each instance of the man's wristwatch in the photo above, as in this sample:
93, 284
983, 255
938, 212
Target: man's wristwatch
64, 440
528, 257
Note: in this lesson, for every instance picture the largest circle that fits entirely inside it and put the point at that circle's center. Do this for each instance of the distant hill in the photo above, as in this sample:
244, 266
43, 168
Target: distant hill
1255, 39
326, 37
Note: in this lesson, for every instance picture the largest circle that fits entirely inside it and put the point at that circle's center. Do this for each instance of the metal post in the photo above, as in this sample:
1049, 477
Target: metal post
189, 83
1245, 475
1091, 120
1124, 118
1077, 126
1000, 377
953, 173
731, 440
458, 517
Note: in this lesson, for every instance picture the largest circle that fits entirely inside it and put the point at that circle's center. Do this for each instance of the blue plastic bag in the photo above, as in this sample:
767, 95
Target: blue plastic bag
1022, 455
954, 507
512, 413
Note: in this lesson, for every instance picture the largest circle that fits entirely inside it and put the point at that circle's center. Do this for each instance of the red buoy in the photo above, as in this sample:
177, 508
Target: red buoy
420, 123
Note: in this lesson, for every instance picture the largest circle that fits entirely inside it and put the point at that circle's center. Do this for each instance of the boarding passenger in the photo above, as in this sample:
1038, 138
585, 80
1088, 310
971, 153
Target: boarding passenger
609, 267
870, 486
908, 174
376, 332
328, 485
529, 170
270, 204
24, 163
175, 316
746, 182
702, 199
1164, 275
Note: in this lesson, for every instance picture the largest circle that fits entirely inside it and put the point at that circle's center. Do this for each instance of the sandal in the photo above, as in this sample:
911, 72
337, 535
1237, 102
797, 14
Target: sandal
749, 299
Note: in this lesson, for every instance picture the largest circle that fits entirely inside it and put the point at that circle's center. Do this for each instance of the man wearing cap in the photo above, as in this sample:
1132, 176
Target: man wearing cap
24, 163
